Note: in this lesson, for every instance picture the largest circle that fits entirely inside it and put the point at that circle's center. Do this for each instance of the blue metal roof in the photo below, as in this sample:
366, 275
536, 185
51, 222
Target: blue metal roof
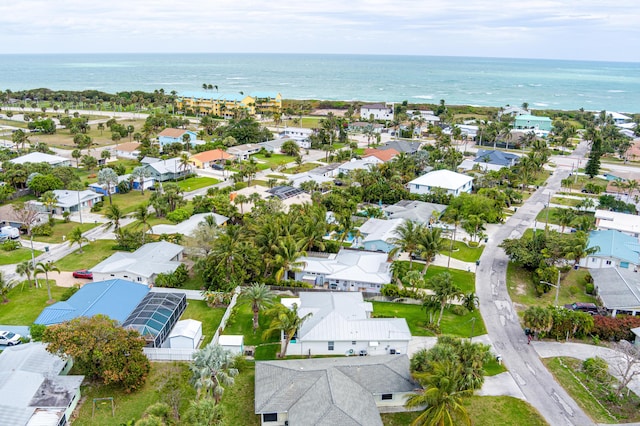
113, 298
616, 244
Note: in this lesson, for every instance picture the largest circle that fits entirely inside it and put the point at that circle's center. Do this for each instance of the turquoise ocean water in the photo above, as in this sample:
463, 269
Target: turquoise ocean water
475, 81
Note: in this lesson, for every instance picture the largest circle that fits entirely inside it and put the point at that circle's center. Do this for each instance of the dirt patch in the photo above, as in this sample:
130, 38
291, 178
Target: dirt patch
521, 289
65, 279
324, 112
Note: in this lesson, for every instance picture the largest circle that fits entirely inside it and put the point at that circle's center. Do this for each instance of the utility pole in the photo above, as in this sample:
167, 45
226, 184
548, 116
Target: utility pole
557, 286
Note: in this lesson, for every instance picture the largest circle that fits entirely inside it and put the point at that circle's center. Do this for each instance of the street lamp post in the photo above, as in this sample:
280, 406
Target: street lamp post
557, 286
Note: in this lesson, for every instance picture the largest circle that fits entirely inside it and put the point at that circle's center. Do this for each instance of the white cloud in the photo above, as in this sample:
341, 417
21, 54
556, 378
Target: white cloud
453, 27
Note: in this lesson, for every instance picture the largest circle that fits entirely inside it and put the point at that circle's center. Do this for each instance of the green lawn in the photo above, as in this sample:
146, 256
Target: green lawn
417, 319
93, 253
241, 322
238, 400
553, 215
463, 279
305, 167
210, 318
484, 411
26, 303
128, 202
16, 256
462, 251
523, 294
196, 182
563, 201
274, 160
61, 229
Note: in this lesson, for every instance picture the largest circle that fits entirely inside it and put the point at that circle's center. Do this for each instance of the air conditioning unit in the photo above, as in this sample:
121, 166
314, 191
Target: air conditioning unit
392, 351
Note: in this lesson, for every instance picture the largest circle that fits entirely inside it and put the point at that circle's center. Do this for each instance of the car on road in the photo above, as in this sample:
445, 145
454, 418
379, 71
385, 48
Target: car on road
9, 338
590, 308
83, 273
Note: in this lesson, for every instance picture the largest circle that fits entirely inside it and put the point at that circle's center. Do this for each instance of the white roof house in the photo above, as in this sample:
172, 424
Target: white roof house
414, 210
616, 117
71, 201
624, 222
348, 270
377, 111
366, 163
188, 226
379, 234
143, 265
40, 157
345, 319
186, 334
454, 183
298, 178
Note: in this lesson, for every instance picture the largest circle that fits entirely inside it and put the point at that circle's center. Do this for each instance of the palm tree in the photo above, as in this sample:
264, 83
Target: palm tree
445, 290
140, 173
25, 268
452, 216
115, 215
287, 251
406, 239
76, 237
45, 268
288, 322
50, 200
441, 397
142, 215
184, 163
260, 297
241, 199
565, 217
212, 369
5, 287
109, 178
429, 243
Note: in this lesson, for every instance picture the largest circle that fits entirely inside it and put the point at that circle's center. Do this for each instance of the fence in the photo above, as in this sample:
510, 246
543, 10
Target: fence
169, 354
225, 317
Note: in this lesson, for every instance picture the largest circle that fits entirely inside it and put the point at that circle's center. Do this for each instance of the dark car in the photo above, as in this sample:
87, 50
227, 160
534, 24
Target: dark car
590, 308
83, 273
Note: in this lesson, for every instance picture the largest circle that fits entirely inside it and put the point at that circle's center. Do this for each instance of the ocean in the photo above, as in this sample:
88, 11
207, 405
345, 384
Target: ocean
543, 84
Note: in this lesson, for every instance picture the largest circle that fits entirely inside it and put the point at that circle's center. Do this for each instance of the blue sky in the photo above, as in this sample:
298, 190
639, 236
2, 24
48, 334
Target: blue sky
557, 29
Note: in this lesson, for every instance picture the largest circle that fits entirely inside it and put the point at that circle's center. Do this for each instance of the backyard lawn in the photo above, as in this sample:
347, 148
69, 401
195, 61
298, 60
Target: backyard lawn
238, 400
196, 182
241, 322
93, 253
26, 303
463, 252
210, 318
16, 256
61, 229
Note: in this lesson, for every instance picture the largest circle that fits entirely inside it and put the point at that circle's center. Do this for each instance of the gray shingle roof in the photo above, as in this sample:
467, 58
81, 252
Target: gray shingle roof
617, 288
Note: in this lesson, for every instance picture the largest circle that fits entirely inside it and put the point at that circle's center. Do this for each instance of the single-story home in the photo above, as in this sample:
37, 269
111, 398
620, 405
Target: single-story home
341, 324
233, 343
453, 183
383, 155
129, 150
377, 111
402, 146
363, 126
72, 201
40, 157
114, 298
332, 391
171, 135
164, 170
616, 117
243, 152
528, 121
617, 289
348, 270
188, 226
9, 217
35, 388
141, 266
298, 178
368, 163
275, 145
416, 211
489, 159
379, 234
135, 184
205, 159
615, 249
328, 170
623, 222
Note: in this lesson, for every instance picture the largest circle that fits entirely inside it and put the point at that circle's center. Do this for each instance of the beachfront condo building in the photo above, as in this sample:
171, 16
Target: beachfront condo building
229, 105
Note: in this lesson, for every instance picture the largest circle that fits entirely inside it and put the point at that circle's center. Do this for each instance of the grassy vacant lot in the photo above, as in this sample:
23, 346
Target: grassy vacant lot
563, 201
305, 167
127, 202
16, 256
462, 251
522, 290
274, 160
196, 182
463, 279
93, 253
210, 318
568, 372
61, 229
26, 303
64, 139
484, 411
553, 215
417, 319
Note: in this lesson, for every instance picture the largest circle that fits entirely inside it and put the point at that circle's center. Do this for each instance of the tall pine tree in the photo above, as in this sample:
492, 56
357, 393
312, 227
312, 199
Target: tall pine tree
593, 165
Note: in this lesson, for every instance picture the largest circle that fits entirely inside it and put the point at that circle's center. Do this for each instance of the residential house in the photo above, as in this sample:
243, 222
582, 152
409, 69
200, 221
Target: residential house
329, 170
335, 391
301, 135
243, 152
528, 121
35, 388
9, 217
286, 194
299, 178
489, 159
275, 145
130, 150
362, 126
367, 163
453, 183
616, 117
348, 270
415, 211
169, 169
188, 226
207, 159
72, 201
377, 111
141, 266
623, 222
513, 111
617, 289
170, 135
470, 131
135, 184
341, 324
402, 146
379, 234
383, 155
614, 249
40, 157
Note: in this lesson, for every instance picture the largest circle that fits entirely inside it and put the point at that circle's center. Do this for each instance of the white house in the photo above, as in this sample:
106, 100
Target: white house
188, 226
243, 152
129, 150
234, 343
453, 183
623, 222
72, 201
378, 234
613, 249
414, 210
348, 270
40, 157
301, 135
299, 178
366, 163
616, 117
332, 391
143, 265
377, 111
186, 334
341, 324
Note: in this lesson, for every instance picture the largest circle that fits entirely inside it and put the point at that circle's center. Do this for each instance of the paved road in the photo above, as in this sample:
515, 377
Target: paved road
503, 326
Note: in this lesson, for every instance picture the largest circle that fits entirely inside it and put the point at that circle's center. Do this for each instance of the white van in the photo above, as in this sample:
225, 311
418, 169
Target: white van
13, 233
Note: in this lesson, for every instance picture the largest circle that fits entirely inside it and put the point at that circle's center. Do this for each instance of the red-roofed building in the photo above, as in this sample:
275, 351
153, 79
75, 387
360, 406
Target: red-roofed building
204, 160
383, 155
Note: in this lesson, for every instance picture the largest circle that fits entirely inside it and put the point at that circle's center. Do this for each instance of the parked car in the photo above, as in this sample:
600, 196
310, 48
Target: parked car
83, 273
9, 338
590, 308
13, 233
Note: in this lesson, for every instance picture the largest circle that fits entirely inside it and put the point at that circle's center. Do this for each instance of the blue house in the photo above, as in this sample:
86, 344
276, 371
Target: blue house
168, 136
614, 249
113, 298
